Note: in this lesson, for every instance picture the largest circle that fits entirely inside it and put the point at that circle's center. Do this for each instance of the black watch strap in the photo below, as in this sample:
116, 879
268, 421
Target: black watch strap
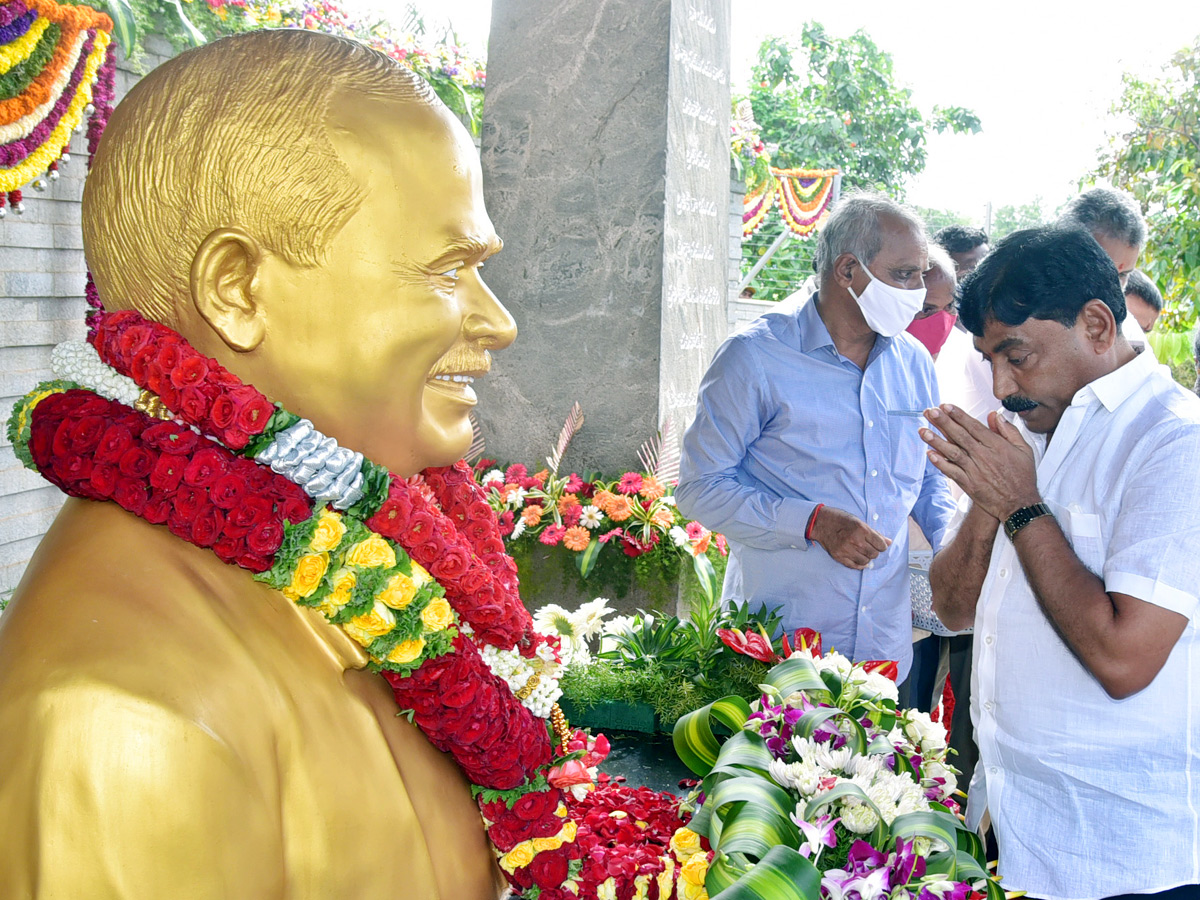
1023, 517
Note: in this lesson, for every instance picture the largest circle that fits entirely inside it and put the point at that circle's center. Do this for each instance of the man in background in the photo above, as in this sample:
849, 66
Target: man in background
937, 655
1143, 300
966, 246
1115, 220
805, 449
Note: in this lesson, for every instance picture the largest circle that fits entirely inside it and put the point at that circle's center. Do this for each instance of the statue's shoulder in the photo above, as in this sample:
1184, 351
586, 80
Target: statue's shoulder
110, 603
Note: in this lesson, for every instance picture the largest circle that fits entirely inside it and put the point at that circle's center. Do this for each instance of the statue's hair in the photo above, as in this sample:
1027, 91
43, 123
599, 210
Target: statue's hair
230, 134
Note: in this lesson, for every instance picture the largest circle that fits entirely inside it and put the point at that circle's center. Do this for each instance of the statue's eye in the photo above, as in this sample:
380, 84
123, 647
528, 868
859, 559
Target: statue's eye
452, 274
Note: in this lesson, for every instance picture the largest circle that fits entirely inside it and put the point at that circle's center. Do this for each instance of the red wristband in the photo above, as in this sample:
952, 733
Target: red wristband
812, 520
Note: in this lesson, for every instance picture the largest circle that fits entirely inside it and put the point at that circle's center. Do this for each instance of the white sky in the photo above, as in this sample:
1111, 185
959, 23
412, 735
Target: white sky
1041, 74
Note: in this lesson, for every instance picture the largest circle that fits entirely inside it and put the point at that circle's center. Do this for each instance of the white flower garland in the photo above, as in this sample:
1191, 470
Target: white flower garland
79, 362
516, 671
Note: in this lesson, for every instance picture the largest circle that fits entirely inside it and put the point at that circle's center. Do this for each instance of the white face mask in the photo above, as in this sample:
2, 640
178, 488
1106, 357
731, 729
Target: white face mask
887, 309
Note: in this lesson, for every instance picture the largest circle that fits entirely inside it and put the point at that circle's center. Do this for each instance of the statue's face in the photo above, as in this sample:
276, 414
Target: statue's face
379, 345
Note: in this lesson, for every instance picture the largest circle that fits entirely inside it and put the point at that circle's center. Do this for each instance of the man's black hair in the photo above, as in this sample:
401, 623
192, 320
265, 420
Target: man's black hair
1040, 273
960, 238
1139, 283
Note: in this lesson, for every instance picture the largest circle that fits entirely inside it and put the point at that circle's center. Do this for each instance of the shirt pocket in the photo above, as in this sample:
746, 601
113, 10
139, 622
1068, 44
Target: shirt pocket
1084, 534
910, 458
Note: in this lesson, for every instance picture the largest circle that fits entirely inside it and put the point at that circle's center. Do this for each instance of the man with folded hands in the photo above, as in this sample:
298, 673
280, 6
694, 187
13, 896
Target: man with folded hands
1076, 562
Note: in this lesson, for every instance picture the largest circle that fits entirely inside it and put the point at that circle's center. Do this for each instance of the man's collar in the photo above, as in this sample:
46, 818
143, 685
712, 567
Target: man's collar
814, 334
1118, 385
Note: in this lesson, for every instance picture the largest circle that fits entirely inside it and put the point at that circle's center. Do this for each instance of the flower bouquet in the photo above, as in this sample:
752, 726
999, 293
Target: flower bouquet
585, 517
657, 662
826, 790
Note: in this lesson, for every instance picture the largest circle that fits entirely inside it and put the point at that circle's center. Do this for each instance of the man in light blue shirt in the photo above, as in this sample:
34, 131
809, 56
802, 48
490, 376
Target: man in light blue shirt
805, 451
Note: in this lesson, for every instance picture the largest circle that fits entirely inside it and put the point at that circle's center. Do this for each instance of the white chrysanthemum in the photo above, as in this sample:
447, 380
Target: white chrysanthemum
869, 766
516, 497
823, 756
518, 529
858, 817
912, 800
591, 517
802, 776
494, 475
669, 500
834, 662
678, 536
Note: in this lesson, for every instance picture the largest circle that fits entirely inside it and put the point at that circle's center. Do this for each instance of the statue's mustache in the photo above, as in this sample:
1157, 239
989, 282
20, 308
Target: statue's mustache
1016, 403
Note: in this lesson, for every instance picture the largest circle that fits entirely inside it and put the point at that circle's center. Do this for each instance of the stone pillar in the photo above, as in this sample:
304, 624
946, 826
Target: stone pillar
606, 172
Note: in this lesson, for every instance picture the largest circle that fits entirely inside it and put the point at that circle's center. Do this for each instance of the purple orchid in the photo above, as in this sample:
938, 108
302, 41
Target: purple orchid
905, 864
863, 858
841, 885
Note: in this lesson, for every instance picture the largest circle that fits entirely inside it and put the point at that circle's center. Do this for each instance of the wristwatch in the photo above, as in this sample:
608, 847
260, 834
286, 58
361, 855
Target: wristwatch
1023, 517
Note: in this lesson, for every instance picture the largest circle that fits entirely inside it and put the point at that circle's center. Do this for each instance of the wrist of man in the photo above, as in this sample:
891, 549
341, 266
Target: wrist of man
810, 529
1024, 516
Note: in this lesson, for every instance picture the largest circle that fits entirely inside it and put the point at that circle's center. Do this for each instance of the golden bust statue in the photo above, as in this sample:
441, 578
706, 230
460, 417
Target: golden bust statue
304, 210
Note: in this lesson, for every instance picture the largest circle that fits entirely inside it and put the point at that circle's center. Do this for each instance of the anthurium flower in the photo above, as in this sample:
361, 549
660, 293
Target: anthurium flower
889, 668
752, 644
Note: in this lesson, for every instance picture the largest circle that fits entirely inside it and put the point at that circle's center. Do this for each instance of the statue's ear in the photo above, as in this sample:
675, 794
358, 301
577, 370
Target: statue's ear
224, 286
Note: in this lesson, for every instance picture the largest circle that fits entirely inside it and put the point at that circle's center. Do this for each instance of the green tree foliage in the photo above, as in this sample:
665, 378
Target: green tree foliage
1156, 157
1008, 219
833, 103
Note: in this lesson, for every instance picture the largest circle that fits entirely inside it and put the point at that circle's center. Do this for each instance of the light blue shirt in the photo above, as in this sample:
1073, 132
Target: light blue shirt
784, 422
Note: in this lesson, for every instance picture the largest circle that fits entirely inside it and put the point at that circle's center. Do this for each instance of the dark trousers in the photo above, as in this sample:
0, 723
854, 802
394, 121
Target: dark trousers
917, 691
1183, 892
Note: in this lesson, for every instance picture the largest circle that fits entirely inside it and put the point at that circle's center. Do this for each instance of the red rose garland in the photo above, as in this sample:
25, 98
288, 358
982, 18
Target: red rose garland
102, 450
164, 472
479, 578
205, 493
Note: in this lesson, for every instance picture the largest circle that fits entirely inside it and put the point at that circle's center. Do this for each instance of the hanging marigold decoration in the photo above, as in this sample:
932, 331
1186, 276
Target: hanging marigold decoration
804, 197
55, 70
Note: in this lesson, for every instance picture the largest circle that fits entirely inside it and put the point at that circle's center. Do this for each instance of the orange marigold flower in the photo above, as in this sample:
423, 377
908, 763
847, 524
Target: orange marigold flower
702, 545
619, 509
541, 477
531, 515
577, 538
652, 488
602, 500
566, 501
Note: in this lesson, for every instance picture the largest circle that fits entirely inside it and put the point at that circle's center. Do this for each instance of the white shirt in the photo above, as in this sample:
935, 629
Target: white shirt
1091, 796
964, 376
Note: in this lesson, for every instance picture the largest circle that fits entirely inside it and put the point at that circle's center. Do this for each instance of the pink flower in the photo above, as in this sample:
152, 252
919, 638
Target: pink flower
570, 773
695, 530
552, 535
609, 535
630, 483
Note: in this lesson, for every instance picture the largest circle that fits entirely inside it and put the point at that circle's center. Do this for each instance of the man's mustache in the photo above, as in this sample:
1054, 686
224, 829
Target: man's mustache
1016, 403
